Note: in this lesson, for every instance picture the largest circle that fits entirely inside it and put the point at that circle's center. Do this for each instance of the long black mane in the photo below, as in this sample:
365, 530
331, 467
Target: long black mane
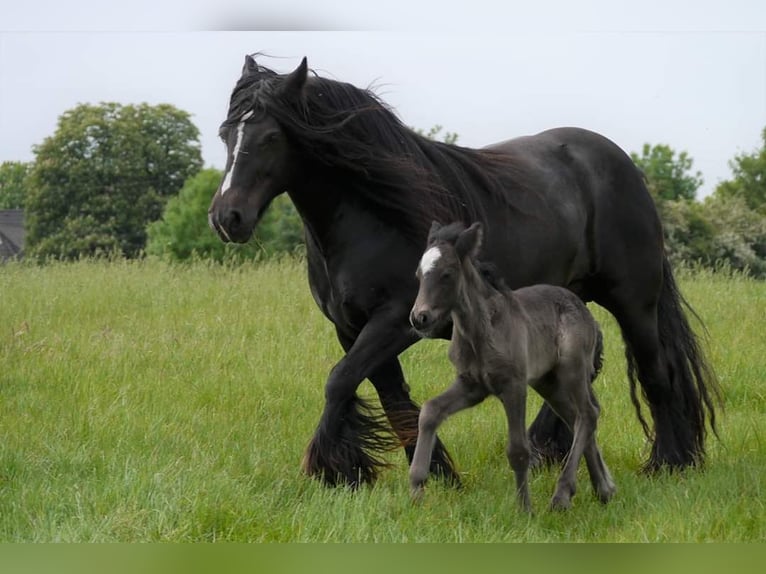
398, 172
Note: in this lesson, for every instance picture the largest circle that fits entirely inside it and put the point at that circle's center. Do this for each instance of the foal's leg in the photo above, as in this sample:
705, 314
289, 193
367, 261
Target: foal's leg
571, 401
460, 395
600, 477
514, 397
402, 413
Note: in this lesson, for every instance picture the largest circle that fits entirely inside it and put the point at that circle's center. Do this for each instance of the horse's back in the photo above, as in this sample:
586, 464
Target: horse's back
603, 215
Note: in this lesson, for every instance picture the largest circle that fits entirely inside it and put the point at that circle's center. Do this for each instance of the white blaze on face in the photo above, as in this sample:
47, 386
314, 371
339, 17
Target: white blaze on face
429, 259
235, 154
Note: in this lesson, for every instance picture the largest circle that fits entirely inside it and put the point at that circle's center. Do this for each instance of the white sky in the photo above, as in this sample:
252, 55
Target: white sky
691, 74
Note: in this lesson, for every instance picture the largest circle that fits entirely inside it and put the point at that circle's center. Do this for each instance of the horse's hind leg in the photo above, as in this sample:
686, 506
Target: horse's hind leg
550, 438
402, 413
663, 353
460, 395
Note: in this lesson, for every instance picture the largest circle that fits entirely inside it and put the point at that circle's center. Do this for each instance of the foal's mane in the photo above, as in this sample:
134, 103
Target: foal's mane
399, 173
487, 270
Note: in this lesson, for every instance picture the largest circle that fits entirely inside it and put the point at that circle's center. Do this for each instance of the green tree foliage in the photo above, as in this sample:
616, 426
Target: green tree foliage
689, 236
669, 176
104, 174
13, 184
722, 230
183, 231
749, 182
740, 234
436, 133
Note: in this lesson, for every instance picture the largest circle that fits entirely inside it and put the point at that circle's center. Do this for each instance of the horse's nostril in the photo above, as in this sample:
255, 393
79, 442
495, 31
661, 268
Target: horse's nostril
234, 219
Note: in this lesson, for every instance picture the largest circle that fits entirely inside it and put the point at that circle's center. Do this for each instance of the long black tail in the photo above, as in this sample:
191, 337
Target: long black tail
681, 410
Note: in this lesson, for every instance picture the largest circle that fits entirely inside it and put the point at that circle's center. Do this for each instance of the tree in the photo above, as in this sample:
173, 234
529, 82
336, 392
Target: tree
749, 182
689, 235
183, 231
13, 184
433, 133
669, 177
740, 234
104, 174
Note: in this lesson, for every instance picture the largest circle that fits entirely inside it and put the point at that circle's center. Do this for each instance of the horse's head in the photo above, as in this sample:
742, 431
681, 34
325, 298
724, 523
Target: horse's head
258, 165
440, 274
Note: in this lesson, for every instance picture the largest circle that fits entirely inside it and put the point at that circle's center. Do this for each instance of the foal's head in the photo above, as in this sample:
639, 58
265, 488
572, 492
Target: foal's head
441, 274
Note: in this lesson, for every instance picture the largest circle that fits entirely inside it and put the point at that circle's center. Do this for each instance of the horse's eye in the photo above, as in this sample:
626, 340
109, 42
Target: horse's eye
223, 133
445, 276
269, 138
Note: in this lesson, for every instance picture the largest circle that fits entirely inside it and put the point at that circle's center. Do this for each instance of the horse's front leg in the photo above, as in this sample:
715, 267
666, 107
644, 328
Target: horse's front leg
403, 413
348, 435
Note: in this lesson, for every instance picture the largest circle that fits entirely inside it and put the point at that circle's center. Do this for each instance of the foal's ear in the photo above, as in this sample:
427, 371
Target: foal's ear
469, 241
250, 67
293, 84
435, 226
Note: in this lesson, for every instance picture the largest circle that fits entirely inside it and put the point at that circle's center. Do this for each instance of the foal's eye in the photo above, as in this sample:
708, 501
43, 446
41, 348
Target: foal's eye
446, 276
223, 133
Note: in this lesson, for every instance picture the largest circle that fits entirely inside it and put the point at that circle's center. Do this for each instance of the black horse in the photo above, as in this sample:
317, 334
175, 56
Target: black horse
565, 207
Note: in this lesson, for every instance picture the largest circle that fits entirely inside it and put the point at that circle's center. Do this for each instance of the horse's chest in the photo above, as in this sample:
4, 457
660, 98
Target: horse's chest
353, 279
349, 300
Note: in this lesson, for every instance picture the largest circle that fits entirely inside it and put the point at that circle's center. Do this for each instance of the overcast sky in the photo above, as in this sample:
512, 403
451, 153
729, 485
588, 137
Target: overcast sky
691, 74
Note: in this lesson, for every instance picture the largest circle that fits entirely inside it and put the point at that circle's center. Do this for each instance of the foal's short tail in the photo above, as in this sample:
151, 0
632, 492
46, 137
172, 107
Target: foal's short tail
598, 355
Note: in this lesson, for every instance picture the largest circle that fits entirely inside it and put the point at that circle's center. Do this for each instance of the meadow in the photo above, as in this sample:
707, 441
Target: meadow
146, 402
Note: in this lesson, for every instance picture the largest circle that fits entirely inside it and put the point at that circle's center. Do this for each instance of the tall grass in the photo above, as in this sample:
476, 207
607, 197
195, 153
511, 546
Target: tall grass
146, 402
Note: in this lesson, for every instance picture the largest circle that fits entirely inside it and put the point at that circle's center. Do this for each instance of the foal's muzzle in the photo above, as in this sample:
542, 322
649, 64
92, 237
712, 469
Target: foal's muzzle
424, 321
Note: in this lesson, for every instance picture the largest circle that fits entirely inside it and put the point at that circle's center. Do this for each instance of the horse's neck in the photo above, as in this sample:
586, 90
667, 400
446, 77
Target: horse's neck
472, 313
318, 202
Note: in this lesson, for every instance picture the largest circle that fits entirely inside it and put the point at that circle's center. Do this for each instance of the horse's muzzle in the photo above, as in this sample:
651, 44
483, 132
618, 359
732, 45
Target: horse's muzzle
230, 226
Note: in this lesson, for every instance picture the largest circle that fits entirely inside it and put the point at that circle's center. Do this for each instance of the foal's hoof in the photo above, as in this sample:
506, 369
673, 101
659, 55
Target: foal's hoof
605, 494
560, 503
417, 493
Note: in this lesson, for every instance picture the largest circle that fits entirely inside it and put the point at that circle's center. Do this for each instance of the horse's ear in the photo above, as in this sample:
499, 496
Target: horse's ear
250, 67
469, 241
435, 226
294, 83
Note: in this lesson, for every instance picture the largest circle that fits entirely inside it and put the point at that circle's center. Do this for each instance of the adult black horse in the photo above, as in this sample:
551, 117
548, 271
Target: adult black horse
565, 207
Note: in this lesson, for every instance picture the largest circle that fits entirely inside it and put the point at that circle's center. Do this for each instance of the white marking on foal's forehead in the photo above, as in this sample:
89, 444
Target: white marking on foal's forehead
235, 154
429, 259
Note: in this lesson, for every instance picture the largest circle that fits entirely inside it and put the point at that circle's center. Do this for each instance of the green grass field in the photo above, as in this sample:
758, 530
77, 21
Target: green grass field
142, 402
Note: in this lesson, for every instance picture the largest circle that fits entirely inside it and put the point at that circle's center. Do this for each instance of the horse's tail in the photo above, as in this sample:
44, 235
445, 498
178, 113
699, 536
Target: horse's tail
682, 410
